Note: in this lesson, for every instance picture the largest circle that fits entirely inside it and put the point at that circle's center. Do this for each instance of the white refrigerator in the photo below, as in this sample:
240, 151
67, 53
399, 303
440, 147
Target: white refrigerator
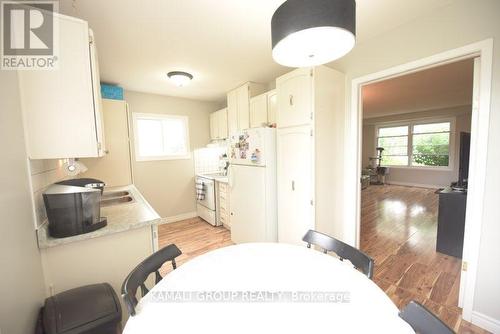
252, 183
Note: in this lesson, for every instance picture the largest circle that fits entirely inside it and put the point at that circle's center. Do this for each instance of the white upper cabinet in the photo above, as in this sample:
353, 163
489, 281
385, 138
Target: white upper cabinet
214, 126
62, 107
238, 106
258, 111
263, 109
295, 91
232, 111
243, 101
218, 124
222, 121
272, 106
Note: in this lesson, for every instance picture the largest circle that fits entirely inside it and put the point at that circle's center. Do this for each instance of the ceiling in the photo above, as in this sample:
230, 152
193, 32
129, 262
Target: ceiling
223, 43
436, 88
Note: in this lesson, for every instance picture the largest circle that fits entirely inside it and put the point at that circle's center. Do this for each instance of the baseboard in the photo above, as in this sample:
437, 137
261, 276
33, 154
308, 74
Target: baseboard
419, 185
486, 322
182, 216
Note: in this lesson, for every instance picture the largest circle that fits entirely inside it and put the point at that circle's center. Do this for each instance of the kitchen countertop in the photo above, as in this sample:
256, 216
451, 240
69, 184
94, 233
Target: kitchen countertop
121, 217
214, 176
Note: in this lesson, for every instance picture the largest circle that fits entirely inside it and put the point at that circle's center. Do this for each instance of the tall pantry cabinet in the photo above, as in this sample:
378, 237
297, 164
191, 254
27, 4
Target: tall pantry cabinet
310, 102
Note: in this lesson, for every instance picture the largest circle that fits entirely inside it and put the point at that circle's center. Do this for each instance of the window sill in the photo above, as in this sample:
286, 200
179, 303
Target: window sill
437, 169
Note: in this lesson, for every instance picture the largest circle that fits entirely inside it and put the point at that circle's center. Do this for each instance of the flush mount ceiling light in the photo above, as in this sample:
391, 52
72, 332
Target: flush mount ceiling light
313, 32
179, 78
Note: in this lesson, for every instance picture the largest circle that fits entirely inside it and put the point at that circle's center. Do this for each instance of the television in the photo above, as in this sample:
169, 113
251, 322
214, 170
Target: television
463, 169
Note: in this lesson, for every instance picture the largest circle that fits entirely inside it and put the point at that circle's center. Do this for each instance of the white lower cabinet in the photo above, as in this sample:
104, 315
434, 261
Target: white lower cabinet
295, 178
223, 217
108, 258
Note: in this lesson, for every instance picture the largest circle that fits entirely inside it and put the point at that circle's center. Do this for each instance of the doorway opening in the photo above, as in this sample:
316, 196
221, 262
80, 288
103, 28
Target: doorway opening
415, 160
482, 52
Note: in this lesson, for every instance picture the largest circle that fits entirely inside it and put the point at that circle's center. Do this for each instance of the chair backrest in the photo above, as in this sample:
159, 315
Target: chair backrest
359, 259
138, 276
422, 320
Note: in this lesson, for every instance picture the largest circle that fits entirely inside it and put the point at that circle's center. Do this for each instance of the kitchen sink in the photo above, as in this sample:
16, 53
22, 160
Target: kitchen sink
115, 198
113, 194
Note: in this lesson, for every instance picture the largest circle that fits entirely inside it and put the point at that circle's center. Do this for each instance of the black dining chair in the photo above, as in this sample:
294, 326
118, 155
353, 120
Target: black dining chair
139, 275
359, 259
422, 320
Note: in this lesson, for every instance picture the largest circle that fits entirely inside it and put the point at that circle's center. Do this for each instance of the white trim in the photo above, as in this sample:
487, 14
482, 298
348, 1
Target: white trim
418, 185
479, 154
428, 168
179, 217
486, 322
139, 158
412, 111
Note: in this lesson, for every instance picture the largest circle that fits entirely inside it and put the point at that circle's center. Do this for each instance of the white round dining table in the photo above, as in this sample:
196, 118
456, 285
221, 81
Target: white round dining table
266, 288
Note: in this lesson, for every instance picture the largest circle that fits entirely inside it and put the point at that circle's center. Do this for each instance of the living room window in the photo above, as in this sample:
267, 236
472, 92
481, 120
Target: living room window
416, 144
161, 137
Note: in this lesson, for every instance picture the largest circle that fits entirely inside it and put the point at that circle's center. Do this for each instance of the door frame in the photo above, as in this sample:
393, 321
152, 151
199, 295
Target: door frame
482, 51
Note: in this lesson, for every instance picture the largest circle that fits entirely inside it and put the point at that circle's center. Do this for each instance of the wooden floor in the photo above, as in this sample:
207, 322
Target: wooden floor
398, 230
193, 237
406, 267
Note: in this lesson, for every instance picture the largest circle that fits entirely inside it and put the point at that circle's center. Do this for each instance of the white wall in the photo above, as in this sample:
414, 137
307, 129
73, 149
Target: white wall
21, 281
462, 22
424, 177
168, 185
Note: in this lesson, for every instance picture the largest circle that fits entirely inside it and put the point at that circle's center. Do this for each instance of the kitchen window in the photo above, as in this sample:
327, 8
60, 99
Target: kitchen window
160, 137
416, 144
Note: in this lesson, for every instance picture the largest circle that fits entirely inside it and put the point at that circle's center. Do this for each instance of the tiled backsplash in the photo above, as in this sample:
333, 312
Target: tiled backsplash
43, 173
207, 160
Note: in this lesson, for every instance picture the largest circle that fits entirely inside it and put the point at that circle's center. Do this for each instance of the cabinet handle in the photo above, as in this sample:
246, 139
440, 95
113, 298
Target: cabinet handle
293, 185
290, 100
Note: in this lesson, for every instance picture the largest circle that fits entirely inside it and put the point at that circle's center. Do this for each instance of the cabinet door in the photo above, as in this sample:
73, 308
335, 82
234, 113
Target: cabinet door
272, 107
295, 183
294, 99
114, 168
96, 91
222, 121
232, 112
243, 98
258, 111
59, 105
213, 125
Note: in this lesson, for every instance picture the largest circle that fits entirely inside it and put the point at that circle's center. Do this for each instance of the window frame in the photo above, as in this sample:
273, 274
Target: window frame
422, 121
138, 157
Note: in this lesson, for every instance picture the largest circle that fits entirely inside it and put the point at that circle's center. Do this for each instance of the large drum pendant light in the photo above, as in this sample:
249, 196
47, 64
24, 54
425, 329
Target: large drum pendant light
313, 32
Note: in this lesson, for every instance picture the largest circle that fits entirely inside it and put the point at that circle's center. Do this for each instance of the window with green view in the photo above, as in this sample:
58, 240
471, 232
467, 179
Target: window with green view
415, 144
